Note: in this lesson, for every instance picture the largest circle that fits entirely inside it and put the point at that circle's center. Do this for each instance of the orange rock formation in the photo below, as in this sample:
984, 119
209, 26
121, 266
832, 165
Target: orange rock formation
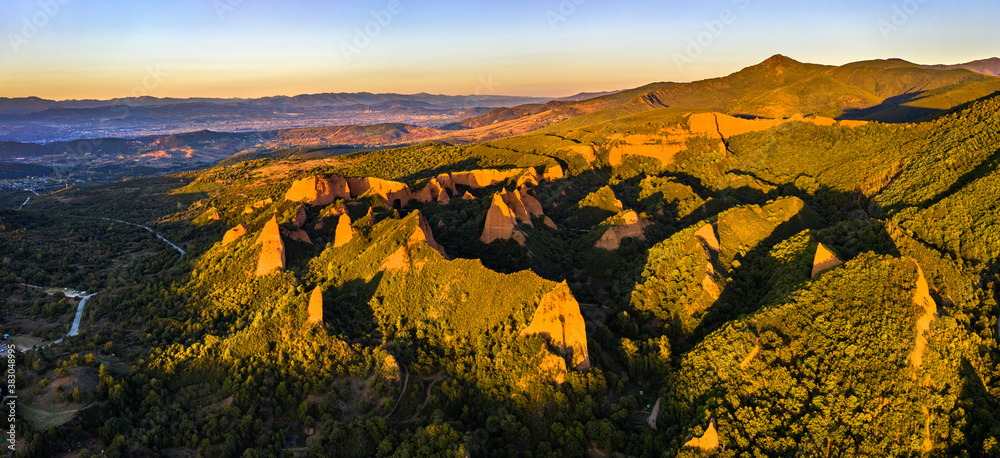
316, 306
393, 193
667, 143
501, 223
318, 190
344, 231
424, 234
272, 253
633, 227
482, 178
824, 260
707, 235
559, 320
300, 217
531, 204
707, 441
922, 298
259, 204
400, 259
552, 172
516, 205
233, 234
299, 235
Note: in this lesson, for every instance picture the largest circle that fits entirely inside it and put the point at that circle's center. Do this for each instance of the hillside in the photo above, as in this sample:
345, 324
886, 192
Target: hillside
733, 267
889, 91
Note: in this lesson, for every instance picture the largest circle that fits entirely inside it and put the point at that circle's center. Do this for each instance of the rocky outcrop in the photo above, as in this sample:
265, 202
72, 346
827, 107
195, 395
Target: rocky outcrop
298, 235
443, 198
316, 306
552, 172
393, 193
501, 223
433, 191
665, 144
272, 253
234, 234
446, 182
707, 441
707, 235
423, 234
300, 217
482, 178
316, 190
401, 258
559, 320
516, 205
257, 205
331, 211
212, 215
344, 231
824, 260
632, 227
531, 204
723, 126
527, 179
468, 196
922, 298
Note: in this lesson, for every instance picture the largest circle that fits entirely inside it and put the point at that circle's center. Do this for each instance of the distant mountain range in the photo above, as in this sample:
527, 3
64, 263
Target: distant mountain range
33, 119
38, 107
989, 66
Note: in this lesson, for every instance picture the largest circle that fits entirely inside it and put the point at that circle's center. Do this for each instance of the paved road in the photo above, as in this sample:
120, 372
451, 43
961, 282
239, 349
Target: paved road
25, 203
75, 329
150, 230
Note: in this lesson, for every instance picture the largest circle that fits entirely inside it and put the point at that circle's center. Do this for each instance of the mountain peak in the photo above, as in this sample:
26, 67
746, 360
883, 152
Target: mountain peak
778, 60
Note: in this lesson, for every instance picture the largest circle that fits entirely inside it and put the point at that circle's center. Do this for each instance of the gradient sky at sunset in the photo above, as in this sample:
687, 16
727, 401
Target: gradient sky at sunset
249, 48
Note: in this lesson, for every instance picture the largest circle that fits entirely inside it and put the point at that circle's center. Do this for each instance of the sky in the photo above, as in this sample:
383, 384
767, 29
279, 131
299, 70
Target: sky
105, 49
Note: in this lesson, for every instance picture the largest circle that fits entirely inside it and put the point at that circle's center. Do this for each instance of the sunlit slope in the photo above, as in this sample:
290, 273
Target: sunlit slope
891, 91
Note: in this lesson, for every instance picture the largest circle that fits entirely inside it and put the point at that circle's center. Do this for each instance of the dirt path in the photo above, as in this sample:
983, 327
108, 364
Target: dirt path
427, 397
406, 380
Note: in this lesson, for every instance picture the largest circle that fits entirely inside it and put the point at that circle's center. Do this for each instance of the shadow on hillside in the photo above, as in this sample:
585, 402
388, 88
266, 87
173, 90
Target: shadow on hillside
892, 110
347, 308
983, 408
750, 289
987, 166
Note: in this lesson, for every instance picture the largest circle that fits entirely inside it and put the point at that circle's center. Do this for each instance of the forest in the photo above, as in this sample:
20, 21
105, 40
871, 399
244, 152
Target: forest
707, 330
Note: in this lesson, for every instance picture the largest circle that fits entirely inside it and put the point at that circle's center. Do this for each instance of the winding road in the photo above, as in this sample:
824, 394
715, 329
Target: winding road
150, 230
